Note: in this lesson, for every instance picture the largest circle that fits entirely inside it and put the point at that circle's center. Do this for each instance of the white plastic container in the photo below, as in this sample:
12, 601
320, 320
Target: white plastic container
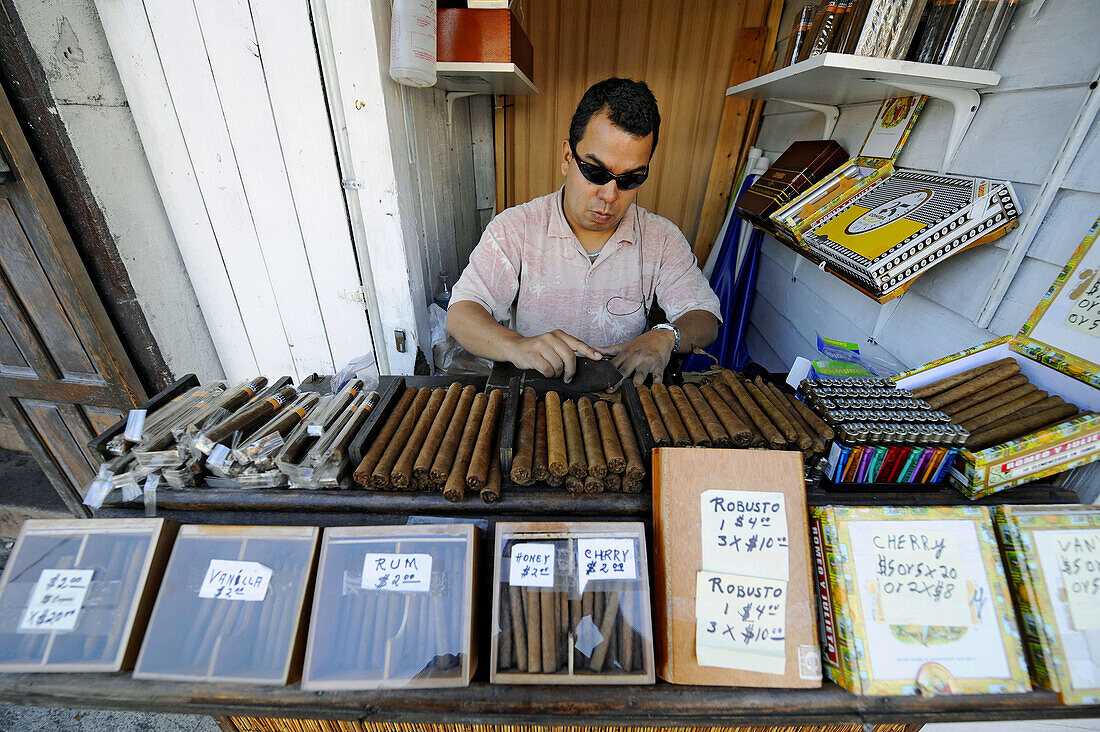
412, 42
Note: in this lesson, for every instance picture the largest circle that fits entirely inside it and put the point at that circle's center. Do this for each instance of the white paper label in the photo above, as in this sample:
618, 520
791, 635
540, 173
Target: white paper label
397, 572
1078, 554
218, 455
743, 620
135, 421
606, 559
919, 577
531, 565
56, 600
746, 530
315, 430
234, 580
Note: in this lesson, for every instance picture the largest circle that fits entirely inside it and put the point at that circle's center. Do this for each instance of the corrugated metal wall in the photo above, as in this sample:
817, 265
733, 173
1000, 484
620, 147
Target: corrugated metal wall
1046, 63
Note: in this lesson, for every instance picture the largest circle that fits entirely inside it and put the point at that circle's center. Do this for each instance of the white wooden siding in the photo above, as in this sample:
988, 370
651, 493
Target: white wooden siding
1046, 65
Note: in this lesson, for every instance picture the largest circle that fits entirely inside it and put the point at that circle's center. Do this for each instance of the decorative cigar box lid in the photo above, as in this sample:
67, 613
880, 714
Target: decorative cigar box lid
1064, 330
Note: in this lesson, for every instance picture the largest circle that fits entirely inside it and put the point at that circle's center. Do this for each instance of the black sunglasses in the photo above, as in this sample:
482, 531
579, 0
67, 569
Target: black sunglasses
601, 176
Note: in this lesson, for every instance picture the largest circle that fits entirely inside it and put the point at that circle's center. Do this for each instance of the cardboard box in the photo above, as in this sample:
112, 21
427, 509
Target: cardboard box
393, 608
914, 601
232, 606
75, 594
732, 524
1051, 556
1058, 353
591, 582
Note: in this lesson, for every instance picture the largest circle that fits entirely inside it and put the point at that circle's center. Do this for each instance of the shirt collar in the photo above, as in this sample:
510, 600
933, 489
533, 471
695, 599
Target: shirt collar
557, 227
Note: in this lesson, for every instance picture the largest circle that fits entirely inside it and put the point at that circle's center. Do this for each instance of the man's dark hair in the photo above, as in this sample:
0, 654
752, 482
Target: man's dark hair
630, 105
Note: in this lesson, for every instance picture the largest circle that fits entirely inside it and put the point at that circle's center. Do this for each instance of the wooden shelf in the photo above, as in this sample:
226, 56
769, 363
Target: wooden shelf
483, 78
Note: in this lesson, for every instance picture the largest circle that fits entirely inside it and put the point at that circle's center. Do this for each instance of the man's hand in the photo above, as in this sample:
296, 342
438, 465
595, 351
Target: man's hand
551, 354
646, 355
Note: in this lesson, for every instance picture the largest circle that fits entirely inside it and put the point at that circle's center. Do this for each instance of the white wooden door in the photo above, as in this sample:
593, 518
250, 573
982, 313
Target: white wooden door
229, 103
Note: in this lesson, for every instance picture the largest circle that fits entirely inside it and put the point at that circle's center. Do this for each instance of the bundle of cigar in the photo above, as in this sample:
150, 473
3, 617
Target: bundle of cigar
587, 446
570, 629
438, 439
996, 403
732, 412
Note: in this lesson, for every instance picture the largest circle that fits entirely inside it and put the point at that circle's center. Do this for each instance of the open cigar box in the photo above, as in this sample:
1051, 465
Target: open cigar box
571, 604
393, 608
1058, 350
232, 606
76, 594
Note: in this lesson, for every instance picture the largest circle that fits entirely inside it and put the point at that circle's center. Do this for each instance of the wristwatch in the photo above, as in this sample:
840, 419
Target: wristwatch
675, 332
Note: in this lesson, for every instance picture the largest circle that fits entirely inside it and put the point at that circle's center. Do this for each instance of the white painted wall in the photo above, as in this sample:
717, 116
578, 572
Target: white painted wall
68, 39
1046, 64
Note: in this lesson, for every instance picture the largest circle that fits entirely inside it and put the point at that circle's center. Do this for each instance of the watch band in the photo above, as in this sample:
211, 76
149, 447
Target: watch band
675, 332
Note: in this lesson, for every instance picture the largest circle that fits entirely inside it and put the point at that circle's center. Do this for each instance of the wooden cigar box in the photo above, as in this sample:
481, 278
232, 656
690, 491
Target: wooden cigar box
232, 606
75, 595
393, 608
483, 35
733, 591
592, 581
803, 164
1059, 353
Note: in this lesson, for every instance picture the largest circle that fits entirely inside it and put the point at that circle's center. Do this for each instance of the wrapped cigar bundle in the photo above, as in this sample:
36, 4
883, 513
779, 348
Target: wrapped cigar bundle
571, 605
587, 445
445, 439
964, 32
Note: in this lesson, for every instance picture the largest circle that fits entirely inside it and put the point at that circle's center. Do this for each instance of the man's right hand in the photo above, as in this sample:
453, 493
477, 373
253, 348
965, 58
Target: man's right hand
551, 354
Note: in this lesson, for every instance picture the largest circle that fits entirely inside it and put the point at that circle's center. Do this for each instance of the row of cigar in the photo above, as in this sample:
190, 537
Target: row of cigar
438, 440
589, 447
733, 411
996, 403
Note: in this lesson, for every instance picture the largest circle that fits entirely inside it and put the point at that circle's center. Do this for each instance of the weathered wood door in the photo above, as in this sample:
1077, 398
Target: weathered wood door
63, 372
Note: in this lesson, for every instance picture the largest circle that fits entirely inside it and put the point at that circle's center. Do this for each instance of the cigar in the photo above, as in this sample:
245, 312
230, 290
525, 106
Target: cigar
981, 397
632, 486
533, 613
767, 429
455, 487
380, 478
549, 606
626, 637
491, 492
557, 457
739, 433
540, 470
611, 609
478, 472
760, 393
613, 483
519, 627
574, 443
403, 468
609, 438
653, 417
1034, 408
938, 387
422, 468
555, 481
1000, 407
444, 459
524, 454
817, 445
803, 436
590, 434
635, 468
727, 396
818, 425
592, 484
974, 385
1019, 427
717, 433
573, 484
694, 426
251, 416
670, 417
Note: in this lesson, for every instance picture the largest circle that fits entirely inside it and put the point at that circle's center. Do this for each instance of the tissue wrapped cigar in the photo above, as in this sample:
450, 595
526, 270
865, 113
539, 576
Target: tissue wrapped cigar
653, 418
574, 443
558, 458
609, 437
455, 488
422, 468
250, 416
670, 417
380, 478
478, 472
444, 459
593, 444
524, 455
402, 472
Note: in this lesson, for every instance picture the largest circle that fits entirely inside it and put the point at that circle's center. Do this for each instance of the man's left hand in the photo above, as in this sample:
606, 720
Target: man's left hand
646, 355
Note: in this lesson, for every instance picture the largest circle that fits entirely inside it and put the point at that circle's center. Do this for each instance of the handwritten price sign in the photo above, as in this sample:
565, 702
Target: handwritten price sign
1078, 555
747, 530
234, 580
397, 572
743, 619
532, 565
56, 600
606, 559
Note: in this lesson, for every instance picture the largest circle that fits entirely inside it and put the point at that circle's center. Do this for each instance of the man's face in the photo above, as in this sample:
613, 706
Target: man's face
594, 208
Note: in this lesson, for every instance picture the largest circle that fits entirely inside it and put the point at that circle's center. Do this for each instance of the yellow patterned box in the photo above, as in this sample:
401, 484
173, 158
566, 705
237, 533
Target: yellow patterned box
1052, 555
1058, 349
915, 602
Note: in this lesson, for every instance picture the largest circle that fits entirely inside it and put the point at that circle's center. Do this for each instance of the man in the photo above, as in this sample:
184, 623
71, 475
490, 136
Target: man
577, 271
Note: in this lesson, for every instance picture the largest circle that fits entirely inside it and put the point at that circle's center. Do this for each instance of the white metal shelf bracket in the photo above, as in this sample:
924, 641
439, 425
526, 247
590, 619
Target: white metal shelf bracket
964, 103
885, 312
831, 114
451, 97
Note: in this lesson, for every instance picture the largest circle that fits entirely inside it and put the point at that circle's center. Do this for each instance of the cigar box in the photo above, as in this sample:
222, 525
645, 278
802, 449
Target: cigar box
914, 601
1058, 352
485, 36
232, 606
732, 573
581, 591
393, 608
75, 595
803, 164
1051, 556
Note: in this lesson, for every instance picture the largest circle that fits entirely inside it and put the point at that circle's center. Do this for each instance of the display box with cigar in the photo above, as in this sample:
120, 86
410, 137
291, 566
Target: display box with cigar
76, 594
1050, 555
571, 604
232, 606
914, 601
1050, 424
393, 608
